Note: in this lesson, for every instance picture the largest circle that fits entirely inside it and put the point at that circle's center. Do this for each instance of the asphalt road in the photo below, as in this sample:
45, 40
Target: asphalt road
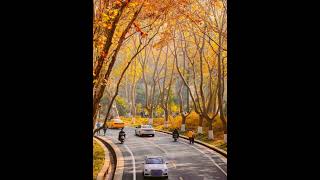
186, 162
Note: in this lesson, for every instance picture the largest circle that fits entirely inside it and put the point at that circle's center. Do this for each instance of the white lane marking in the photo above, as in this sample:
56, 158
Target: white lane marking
165, 151
133, 162
206, 156
222, 158
149, 141
180, 178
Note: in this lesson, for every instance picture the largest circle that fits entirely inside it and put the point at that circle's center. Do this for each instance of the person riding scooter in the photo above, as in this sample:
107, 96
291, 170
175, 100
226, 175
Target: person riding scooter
121, 133
175, 134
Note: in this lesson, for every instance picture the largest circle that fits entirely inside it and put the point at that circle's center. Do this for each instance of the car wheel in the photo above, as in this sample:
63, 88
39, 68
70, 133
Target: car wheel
152, 135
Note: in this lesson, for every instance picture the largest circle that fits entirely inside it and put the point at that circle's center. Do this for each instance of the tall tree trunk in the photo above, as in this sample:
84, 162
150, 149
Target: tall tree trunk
107, 45
166, 92
150, 113
200, 125
100, 90
122, 74
187, 95
183, 79
200, 99
166, 117
182, 113
185, 71
210, 131
220, 91
127, 94
183, 123
116, 92
133, 106
154, 84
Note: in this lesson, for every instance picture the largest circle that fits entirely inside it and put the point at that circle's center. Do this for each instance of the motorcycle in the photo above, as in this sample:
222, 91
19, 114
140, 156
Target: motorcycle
175, 137
121, 139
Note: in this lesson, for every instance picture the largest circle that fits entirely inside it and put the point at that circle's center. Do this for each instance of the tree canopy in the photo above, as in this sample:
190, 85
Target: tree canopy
161, 58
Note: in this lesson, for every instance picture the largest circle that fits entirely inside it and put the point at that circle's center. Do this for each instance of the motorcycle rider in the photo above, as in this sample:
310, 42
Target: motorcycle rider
175, 132
121, 133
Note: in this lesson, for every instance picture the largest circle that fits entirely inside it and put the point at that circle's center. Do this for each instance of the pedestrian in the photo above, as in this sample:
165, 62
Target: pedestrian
98, 126
190, 136
193, 136
104, 130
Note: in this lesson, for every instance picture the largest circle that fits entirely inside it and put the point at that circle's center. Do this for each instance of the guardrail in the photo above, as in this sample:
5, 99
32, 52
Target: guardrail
220, 151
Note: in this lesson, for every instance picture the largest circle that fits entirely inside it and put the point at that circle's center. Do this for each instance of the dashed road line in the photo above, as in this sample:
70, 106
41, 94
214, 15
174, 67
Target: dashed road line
206, 156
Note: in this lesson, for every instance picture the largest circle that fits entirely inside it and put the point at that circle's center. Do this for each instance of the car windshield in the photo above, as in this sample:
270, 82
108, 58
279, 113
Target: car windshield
117, 121
146, 126
154, 161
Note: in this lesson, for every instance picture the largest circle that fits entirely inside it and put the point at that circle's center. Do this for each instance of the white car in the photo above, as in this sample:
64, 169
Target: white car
155, 166
144, 130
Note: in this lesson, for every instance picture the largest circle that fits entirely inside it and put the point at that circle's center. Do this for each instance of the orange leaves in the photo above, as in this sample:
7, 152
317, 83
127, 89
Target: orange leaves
136, 25
109, 15
143, 34
217, 3
138, 29
106, 25
133, 4
103, 55
165, 38
100, 42
106, 18
118, 3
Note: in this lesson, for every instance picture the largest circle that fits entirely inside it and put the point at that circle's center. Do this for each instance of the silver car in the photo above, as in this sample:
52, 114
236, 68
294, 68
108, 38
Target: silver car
144, 130
155, 166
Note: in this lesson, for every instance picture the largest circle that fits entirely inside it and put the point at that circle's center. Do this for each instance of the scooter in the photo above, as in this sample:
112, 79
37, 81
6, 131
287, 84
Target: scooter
175, 137
121, 139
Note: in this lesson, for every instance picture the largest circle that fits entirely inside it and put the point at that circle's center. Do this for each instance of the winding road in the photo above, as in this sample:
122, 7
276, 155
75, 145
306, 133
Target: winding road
186, 162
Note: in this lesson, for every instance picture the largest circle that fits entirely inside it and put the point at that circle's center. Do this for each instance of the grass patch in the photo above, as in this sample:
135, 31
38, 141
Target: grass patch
98, 158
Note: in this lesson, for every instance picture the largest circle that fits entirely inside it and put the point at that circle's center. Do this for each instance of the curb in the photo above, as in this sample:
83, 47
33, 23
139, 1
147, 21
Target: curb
106, 165
117, 155
220, 151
